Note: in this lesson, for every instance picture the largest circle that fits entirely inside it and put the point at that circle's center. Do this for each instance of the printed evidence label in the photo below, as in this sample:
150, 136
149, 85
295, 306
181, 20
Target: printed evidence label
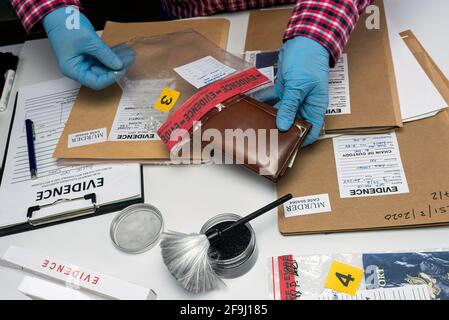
136, 119
302, 206
87, 137
339, 99
369, 165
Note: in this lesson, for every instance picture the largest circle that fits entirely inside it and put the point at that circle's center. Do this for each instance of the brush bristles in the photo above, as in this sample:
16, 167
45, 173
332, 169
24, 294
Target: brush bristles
186, 257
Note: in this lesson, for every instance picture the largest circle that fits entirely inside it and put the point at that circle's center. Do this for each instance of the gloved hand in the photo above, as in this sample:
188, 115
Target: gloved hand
82, 55
302, 85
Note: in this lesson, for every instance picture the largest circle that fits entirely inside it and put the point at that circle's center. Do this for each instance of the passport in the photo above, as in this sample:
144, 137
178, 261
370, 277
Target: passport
386, 270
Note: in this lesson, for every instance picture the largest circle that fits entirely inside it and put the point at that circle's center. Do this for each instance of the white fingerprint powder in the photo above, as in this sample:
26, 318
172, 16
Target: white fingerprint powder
138, 230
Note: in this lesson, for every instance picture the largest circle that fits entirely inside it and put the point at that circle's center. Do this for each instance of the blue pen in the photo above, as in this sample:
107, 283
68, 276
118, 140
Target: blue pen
31, 150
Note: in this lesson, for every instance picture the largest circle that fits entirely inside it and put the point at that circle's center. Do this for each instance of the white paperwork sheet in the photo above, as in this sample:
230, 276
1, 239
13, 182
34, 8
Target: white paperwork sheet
48, 105
418, 96
204, 71
428, 21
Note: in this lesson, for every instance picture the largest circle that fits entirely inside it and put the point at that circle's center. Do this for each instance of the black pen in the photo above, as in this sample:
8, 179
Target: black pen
29, 126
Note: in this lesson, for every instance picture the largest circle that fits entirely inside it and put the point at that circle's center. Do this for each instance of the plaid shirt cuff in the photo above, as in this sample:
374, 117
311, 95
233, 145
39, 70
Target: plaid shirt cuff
329, 22
191, 8
30, 12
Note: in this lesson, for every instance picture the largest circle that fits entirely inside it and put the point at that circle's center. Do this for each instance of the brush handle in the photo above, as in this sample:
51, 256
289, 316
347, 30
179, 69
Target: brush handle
216, 233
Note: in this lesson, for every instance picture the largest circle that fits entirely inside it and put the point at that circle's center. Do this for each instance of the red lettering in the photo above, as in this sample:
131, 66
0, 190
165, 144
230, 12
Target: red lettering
95, 280
203, 101
52, 266
45, 263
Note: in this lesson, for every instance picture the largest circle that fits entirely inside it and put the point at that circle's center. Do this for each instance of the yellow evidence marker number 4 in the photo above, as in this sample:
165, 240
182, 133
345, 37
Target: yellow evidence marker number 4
344, 278
167, 99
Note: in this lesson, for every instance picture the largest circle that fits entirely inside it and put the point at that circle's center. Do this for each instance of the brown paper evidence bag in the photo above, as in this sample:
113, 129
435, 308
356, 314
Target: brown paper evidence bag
97, 109
373, 95
372, 85
424, 153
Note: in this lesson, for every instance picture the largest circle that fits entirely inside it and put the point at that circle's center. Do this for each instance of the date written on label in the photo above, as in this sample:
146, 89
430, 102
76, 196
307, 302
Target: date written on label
413, 214
241, 310
440, 195
431, 210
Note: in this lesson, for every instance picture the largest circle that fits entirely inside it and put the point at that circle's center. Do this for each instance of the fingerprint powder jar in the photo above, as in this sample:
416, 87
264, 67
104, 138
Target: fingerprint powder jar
235, 252
137, 228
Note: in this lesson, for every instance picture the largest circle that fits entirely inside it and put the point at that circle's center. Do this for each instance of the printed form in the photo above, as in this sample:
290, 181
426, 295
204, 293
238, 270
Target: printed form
339, 99
136, 119
48, 105
411, 292
369, 165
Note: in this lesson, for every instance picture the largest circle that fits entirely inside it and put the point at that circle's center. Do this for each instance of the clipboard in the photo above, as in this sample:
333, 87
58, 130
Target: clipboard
91, 210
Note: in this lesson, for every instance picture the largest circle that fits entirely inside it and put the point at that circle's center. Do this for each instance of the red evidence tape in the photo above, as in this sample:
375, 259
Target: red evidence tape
287, 281
206, 99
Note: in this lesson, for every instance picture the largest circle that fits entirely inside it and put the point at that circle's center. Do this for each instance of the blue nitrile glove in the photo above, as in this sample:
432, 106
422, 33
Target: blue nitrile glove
82, 55
302, 85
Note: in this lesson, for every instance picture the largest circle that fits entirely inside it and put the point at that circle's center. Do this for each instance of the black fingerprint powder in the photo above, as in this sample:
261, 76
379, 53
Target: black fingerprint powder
231, 243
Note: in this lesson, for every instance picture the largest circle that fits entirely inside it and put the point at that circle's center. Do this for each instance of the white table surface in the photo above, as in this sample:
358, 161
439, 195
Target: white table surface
187, 197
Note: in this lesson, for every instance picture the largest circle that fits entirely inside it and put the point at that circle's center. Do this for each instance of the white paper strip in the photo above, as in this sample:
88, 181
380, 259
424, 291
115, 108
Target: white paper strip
41, 289
412, 292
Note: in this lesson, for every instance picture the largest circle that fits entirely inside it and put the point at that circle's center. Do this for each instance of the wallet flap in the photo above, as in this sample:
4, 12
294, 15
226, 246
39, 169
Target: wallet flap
245, 131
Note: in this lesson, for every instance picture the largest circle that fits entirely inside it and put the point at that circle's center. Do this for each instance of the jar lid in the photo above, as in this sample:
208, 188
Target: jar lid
137, 228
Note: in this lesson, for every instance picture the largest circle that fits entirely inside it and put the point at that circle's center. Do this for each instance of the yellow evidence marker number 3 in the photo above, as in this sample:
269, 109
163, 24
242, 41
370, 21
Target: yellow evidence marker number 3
167, 99
344, 278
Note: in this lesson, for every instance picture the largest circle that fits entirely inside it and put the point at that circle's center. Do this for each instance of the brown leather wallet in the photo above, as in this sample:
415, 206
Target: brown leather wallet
266, 155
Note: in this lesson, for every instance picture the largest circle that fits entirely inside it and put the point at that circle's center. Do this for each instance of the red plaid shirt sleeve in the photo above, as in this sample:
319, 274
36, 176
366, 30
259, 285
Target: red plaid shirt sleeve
30, 12
192, 8
329, 22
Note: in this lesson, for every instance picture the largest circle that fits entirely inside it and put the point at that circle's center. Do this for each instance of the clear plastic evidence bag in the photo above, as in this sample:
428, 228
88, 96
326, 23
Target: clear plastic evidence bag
180, 76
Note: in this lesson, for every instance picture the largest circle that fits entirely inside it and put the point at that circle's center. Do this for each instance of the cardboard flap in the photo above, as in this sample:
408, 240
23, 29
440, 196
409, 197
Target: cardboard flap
373, 93
432, 70
97, 109
422, 146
